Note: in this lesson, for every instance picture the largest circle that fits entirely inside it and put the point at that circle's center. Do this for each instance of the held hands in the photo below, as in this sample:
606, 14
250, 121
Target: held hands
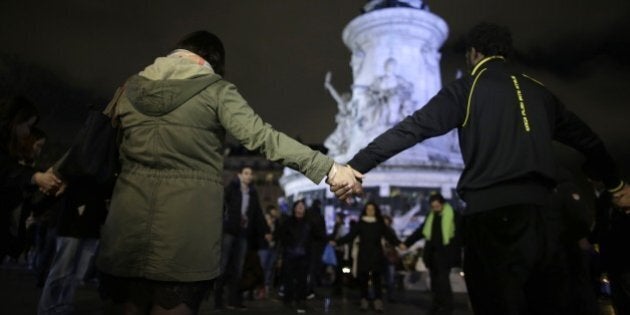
622, 197
344, 181
49, 183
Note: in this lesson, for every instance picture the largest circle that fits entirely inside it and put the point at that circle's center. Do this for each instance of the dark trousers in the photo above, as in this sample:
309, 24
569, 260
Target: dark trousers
620, 288
582, 293
233, 252
295, 273
513, 261
364, 278
441, 289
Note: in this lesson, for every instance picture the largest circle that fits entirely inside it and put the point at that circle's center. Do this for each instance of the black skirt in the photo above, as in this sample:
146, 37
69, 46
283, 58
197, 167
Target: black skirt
145, 292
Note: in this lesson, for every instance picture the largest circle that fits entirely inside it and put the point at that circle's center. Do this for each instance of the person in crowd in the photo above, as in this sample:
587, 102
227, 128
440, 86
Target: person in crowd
83, 211
507, 122
33, 227
30, 149
296, 237
611, 232
33, 146
315, 273
17, 116
160, 246
243, 224
442, 251
342, 252
392, 259
371, 261
268, 251
570, 219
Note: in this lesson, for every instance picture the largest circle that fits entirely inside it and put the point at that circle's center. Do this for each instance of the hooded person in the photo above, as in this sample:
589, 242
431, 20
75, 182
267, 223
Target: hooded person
161, 242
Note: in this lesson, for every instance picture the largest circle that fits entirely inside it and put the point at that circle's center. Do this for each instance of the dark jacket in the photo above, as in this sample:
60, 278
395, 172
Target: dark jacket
319, 224
296, 237
506, 123
576, 216
371, 257
612, 232
14, 180
232, 218
83, 210
435, 252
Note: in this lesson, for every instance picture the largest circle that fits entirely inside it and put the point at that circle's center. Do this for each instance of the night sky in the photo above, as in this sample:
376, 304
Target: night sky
278, 52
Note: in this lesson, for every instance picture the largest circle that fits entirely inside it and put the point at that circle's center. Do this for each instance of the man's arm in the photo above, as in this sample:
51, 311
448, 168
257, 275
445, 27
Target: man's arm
572, 131
415, 236
444, 112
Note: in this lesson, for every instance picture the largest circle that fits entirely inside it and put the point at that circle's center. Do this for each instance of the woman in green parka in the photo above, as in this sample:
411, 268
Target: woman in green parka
160, 246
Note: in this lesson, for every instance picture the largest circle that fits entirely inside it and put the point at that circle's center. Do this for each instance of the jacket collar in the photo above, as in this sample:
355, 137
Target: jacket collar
484, 64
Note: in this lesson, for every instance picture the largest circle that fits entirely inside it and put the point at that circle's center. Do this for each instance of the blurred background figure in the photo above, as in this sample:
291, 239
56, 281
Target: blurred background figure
371, 261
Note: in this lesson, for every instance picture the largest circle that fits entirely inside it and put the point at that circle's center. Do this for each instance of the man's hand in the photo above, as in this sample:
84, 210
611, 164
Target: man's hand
402, 247
47, 182
622, 197
269, 237
344, 181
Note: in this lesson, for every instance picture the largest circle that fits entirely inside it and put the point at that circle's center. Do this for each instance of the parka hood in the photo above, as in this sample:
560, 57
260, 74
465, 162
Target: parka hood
167, 84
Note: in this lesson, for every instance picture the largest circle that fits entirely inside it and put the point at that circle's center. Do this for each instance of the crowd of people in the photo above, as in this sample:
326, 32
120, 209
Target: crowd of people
168, 233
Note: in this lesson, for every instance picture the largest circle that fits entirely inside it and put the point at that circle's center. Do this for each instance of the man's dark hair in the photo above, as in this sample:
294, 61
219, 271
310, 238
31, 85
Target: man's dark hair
208, 46
437, 197
490, 39
243, 167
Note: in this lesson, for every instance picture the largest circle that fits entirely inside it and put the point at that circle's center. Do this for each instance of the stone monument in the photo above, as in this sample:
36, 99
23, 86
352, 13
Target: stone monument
395, 65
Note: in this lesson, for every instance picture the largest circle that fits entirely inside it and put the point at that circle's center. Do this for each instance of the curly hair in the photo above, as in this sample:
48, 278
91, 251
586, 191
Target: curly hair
490, 39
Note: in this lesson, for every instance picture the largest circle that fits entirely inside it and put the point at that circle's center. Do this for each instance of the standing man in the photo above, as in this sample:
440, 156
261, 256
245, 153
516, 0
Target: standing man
611, 232
507, 122
318, 223
83, 209
441, 251
243, 221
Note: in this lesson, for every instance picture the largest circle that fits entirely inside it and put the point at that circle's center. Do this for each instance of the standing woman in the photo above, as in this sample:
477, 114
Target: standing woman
17, 116
161, 242
371, 262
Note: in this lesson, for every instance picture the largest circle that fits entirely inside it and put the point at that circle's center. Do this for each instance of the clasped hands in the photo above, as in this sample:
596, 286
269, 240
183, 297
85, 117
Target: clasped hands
49, 183
622, 197
344, 181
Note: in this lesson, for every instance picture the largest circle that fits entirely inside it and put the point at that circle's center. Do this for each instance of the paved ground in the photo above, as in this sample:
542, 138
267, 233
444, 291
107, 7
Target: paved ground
19, 295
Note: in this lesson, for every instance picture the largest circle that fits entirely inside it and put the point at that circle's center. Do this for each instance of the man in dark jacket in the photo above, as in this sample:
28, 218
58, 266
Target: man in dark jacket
611, 232
569, 218
314, 215
441, 251
243, 221
507, 122
83, 209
